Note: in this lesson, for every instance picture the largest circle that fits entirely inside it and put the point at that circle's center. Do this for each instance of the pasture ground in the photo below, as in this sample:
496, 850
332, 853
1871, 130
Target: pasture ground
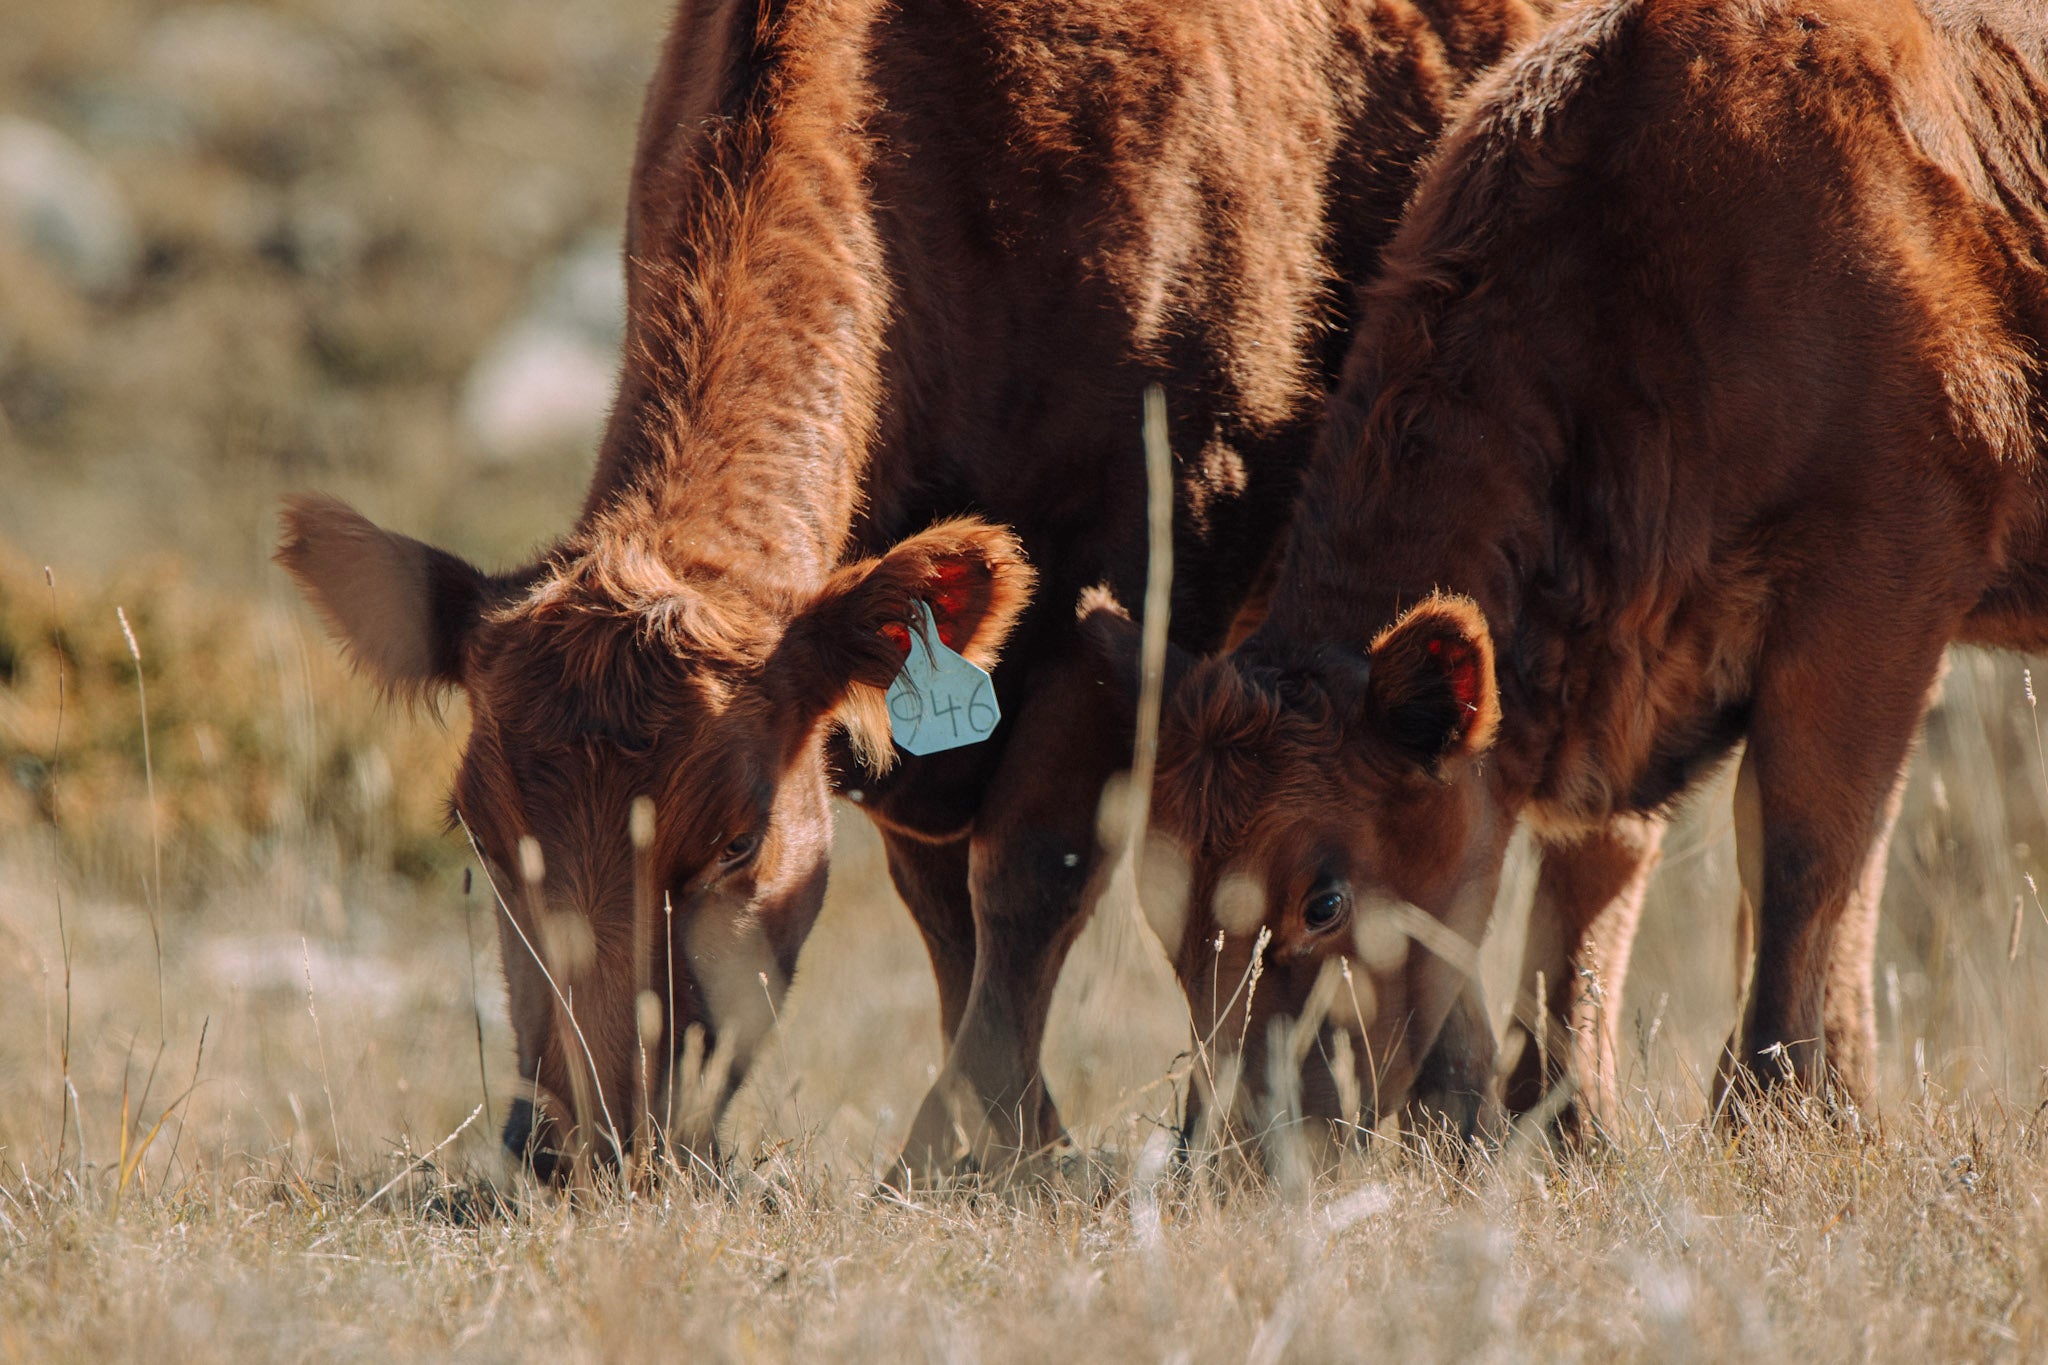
234, 1209
242, 990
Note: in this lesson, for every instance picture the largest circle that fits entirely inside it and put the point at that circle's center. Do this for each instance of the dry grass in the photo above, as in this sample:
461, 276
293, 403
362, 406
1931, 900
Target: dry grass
248, 1229
1924, 1244
316, 280
1920, 1238
261, 739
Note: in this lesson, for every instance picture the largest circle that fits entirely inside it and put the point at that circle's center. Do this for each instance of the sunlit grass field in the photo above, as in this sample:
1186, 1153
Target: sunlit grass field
251, 1104
253, 1049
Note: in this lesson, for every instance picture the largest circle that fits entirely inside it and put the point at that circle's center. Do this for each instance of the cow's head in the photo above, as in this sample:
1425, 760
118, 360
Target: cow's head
1339, 842
644, 779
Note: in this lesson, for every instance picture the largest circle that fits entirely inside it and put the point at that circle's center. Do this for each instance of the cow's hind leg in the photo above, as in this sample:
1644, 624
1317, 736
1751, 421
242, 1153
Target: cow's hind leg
1582, 925
1033, 860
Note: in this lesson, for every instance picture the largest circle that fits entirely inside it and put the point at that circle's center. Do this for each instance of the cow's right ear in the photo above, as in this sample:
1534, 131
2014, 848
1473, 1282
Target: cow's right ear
399, 608
1431, 692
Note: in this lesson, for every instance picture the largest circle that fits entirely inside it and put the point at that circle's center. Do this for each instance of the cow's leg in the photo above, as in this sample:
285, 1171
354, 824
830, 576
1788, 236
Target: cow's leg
1848, 1010
1830, 740
1034, 854
1589, 895
932, 880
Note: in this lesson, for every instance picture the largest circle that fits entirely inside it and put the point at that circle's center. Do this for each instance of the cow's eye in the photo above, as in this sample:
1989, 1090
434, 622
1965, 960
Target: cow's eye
739, 852
1324, 910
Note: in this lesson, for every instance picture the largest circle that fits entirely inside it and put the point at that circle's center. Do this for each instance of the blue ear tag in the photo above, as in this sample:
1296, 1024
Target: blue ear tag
940, 700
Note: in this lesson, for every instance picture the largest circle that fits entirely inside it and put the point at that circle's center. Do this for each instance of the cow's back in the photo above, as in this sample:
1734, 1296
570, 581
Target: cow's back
952, 240
1077, 199
1958, 89
1686, 275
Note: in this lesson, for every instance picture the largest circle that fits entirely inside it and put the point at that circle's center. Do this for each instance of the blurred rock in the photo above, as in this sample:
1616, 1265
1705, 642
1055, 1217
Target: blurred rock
547, 380
236, 67
530, 209
317, 236
59, 203
536, 390
120, 116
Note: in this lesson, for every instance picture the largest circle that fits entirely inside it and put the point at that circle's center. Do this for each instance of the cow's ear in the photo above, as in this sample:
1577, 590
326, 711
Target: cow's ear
399, 608
843, 650
1431, 693
1116, 643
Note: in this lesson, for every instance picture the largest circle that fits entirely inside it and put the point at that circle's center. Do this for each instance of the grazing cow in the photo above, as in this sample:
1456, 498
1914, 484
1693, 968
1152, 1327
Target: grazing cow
1699, 402
892, 265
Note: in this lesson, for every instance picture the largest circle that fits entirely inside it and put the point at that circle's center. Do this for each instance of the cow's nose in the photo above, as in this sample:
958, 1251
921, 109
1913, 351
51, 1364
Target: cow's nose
530, 1139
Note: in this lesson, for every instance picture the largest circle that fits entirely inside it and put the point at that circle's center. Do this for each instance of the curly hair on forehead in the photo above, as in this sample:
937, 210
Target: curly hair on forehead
1230, 737
625, 581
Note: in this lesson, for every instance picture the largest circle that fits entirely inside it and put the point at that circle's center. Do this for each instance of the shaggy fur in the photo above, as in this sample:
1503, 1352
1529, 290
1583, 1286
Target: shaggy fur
892, 264
1705, 362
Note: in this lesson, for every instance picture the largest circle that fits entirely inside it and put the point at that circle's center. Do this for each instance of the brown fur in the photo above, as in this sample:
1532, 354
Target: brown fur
1705, 364
890, 264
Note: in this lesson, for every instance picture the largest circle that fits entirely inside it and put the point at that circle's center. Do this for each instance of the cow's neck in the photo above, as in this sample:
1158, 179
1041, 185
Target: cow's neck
756, 305
1455, 503
1526, 479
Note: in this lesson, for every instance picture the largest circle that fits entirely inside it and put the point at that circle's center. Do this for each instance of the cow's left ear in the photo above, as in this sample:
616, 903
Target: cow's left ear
1116, 643
842, 651
1431, 693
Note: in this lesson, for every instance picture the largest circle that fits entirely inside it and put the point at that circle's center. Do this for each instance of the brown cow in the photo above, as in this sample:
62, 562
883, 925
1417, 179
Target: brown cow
1699, 403
892, 263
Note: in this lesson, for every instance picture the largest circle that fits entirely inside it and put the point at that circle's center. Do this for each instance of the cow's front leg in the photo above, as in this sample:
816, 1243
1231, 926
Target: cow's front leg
1032, 865
1827, 778
1582, 926
931, 877
1848, 1010
1849, 1006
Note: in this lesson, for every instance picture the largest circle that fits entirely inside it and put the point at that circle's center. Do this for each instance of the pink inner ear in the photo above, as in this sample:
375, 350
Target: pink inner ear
1460, 664
948, 598
898, 634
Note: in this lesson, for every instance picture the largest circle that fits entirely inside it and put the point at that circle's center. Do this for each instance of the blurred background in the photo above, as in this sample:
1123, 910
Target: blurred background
370, 247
